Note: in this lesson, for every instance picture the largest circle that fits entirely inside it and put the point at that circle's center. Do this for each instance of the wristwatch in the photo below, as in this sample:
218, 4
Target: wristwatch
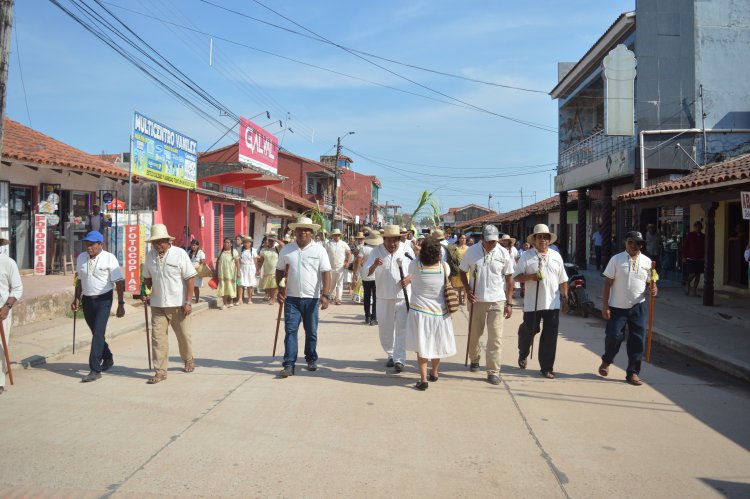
326, 296
122, 302
9, 305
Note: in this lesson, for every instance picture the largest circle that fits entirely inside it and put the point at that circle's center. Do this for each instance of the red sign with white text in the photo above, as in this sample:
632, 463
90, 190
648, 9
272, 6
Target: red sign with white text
132, 262
258, 147
40, 244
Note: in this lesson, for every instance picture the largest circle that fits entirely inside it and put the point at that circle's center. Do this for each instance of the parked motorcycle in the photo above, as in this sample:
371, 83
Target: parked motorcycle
578, 298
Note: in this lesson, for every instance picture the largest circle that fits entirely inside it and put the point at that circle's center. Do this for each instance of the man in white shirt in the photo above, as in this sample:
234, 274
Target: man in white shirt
487, 276
11, 289
388, 263
308, 284
440, 236
624, 304
98, 273
170, 275
543, 271
369, 299
339, 255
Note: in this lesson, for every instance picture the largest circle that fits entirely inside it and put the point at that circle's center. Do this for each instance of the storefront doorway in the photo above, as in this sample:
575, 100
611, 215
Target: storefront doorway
21, 203
737, 237
223, 224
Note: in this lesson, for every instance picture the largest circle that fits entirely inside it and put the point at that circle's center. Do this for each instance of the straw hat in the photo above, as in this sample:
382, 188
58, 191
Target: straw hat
541, 229
360, 235
392, 231
439, 234
159, 231
336, 232
247, 238
270, 234
373, 239
304, 223
403, 230
506, 237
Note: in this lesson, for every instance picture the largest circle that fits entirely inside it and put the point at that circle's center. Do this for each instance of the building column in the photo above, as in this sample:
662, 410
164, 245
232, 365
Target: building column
708, 272
563, 232
581, 230
606, 228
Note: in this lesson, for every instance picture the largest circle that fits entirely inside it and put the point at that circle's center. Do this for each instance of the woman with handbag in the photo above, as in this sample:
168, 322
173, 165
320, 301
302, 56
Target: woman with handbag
227, 272
198, 258
429, 329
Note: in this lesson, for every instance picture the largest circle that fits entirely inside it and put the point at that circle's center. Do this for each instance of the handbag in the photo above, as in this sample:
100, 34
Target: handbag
204, 270
451, 294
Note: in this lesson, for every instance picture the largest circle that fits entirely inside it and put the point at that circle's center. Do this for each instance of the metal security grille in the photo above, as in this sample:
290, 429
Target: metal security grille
217, 226
228, 217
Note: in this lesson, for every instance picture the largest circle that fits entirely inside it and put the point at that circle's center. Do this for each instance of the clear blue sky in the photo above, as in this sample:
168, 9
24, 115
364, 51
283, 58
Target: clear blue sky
81, 92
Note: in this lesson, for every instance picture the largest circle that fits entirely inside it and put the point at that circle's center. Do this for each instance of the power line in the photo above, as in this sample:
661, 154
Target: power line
20, 72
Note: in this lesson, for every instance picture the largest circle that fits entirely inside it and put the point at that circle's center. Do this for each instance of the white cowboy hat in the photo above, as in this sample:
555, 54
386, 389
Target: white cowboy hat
541, 229
392, 231
360, 235
247, 238
335, 232
159, 231
506, 237
270, 234
304, 223
373, 239
439, 234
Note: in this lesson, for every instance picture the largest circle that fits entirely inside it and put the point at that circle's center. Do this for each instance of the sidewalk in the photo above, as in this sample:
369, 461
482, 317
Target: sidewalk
718, 336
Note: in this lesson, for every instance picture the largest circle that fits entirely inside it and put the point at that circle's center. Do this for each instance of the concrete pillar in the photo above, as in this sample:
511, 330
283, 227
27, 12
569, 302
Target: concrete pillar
581, 230
562, 234
708, 272
606, 230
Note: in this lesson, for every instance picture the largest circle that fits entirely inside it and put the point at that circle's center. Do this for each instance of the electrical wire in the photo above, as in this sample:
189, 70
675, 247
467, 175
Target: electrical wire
20, 72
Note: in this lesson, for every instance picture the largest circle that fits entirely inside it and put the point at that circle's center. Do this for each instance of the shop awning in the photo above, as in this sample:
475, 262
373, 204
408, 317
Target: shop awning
270, 209
246, 178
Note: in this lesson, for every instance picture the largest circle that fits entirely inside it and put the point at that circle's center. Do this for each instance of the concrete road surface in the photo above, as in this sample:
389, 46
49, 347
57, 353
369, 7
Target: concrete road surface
356, 429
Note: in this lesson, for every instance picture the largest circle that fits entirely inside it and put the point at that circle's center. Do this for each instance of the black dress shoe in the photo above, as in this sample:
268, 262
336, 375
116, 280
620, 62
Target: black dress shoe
432, 377
91, 376
312, 366
548, 374
107, 363
398, 366
287, 371
389, 363
374, 322
522, 362
474, 367
421, 385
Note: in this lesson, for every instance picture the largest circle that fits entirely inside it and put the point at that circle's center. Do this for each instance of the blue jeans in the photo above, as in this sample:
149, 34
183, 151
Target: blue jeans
96, 312
298, 310
635, 319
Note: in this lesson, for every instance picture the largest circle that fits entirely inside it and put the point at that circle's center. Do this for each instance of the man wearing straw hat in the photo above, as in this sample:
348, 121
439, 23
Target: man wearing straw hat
308, 285
543, 271
389, 263
624, 303
369, 288
487, 271
339, 255
98, 274
170, 274
11, 289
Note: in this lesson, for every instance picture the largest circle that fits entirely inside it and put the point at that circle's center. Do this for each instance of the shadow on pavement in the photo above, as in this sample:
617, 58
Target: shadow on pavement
79, 369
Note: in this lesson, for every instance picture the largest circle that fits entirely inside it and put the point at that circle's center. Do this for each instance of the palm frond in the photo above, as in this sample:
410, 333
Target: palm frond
424, 198
435, 205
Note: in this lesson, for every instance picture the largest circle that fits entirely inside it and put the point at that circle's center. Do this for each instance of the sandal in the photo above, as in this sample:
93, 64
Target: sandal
604, 369
433, 378
156, 378
190, 366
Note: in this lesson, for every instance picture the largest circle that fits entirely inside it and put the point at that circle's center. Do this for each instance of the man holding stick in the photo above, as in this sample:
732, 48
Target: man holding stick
624, 304
391, 301
170, 274
11, 289
308, 284
492, 270
98, 273
339, 255
543, 271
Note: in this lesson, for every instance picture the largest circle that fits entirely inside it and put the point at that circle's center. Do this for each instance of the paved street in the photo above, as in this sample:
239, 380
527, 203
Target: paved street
233, 428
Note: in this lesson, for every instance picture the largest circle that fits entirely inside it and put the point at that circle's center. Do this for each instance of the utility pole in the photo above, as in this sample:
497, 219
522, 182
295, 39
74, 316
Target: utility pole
521, 197
336, 181
489, 201
6, 27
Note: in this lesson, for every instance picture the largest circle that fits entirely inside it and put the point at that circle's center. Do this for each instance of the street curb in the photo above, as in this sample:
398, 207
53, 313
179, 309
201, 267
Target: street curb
664, 339
40, 359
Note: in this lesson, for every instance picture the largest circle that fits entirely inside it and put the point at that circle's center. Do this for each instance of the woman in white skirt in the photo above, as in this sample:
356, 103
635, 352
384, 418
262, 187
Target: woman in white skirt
248, 271
197, 258
429, 329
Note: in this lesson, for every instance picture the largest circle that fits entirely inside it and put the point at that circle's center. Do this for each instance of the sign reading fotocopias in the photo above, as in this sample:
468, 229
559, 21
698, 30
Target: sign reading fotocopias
258, 147
162, 154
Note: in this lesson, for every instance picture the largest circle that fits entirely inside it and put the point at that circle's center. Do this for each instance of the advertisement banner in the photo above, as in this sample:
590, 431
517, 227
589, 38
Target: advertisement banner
40, 244
132, 267
162, 154
258, 147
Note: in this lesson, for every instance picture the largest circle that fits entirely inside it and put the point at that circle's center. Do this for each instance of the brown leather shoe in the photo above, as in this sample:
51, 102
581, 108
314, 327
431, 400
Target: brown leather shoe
157, 378
548, 374
634, 380
604, 369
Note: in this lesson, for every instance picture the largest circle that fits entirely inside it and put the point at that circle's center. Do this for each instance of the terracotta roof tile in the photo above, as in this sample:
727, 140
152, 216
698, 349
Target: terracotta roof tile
711, 176
26, 145
538, 208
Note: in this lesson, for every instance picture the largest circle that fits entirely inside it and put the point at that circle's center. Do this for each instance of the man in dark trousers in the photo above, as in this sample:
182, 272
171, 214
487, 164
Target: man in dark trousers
98, 274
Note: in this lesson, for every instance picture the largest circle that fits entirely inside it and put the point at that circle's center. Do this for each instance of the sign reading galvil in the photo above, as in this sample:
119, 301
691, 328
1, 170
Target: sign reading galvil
162, 154
258, 147
40, 245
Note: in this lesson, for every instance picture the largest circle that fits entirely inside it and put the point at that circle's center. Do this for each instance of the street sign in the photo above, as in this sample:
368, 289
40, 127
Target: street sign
745, 205
107, 198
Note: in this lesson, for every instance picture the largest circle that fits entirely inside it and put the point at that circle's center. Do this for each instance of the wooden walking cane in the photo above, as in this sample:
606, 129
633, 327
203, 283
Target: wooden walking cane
75, 315
5, 352
471, 317
278, 316
401, 273
651, 285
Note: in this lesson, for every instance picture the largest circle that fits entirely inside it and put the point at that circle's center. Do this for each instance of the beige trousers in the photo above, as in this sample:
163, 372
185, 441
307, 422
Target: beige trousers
491, 314
161, 319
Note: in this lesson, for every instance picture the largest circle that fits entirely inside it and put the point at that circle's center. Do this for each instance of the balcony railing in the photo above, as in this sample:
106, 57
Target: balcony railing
591, 148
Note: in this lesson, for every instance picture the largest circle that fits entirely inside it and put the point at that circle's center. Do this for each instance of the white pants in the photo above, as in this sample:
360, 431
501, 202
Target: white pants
6, 328
392, 327
337, 276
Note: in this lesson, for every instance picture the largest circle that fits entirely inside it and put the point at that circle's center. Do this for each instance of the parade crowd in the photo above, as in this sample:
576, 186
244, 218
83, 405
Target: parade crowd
408, 287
